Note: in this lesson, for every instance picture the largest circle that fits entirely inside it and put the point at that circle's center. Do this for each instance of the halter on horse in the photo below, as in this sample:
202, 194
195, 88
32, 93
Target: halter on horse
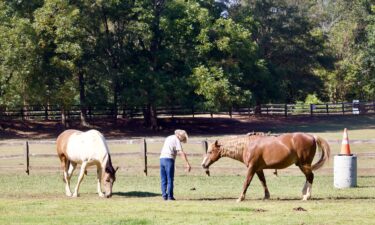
86, 148
260, 152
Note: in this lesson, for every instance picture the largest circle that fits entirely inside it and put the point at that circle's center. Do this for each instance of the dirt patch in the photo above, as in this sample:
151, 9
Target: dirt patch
202, 126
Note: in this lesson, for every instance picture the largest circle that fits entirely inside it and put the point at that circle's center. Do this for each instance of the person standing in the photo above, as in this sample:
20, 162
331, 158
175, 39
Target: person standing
172, 145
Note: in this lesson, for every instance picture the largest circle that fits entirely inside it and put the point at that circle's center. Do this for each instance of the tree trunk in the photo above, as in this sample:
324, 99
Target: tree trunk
115, 101
150, 117
82, 100
258, 108
63, 117
154, 119
146, 117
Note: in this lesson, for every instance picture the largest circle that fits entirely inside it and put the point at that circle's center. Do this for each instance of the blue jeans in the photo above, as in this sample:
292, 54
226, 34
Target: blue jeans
167, 176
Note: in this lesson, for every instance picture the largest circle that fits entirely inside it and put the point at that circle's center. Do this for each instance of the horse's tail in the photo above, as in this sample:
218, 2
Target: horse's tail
326, 151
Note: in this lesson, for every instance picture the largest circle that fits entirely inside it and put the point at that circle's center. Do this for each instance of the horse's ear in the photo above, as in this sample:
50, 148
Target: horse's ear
117, 169
217, 143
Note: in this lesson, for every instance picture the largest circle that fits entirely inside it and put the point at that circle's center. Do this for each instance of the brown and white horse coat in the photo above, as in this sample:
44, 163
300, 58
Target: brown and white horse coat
88, 149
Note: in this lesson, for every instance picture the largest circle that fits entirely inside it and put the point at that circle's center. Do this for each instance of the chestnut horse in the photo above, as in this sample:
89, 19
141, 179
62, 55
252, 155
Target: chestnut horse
260, 152
88, 149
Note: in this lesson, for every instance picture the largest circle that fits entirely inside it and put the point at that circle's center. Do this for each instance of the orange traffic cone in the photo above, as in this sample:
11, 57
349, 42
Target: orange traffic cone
345, 148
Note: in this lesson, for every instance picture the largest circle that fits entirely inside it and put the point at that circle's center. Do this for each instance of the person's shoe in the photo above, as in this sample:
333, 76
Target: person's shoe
165, 198
171, 199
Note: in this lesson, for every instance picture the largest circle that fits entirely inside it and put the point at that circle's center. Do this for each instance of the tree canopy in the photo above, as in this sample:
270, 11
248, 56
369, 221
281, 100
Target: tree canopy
210, 54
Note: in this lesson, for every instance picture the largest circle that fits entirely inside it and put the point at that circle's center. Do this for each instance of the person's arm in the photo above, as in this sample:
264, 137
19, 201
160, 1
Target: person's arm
184, 157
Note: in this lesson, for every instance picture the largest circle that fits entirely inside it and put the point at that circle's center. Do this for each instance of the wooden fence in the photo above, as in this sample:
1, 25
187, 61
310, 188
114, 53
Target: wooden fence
142, 153
32, 112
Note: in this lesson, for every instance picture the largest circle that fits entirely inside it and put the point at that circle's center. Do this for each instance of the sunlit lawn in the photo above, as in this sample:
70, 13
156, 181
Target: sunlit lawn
39, 199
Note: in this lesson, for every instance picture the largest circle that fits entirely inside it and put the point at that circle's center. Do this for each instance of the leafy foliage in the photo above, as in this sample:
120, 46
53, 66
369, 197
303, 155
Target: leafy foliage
218, 54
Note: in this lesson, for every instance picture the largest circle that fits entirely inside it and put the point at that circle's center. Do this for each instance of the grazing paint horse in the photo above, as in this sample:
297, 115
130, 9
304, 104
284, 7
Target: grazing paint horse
260, 152
86, 148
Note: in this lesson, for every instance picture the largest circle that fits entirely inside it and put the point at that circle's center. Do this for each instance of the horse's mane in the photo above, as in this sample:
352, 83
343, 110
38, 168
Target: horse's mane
237, 144
109, 167
234, 146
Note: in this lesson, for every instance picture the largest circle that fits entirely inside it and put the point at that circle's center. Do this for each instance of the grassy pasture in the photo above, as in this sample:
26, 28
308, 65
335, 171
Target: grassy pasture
39, 198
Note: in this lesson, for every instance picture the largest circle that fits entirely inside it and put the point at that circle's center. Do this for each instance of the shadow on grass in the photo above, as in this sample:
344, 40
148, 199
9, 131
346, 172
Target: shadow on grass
352, 198
211, 199
139, 194
321, 199
285, 199
295, 199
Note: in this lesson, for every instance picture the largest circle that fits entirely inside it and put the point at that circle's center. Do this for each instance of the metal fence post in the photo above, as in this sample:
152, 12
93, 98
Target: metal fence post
144, 155
27, 157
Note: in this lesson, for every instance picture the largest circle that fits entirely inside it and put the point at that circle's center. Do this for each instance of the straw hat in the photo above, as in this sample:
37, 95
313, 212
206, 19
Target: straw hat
182, 135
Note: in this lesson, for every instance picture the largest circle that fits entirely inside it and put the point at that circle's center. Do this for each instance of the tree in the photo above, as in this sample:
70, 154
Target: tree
18, 58
229, 65
57, 24
368, 72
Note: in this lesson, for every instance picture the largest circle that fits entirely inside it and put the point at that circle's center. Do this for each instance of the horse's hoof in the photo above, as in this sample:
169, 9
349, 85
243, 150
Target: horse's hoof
101, 195
75, 195
266, 196
239, 200
305, 198
68, 194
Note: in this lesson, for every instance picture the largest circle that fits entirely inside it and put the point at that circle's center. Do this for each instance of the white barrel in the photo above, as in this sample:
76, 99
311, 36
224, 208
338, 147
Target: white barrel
345, 171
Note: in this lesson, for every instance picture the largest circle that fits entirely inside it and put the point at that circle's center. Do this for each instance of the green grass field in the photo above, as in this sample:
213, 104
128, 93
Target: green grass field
39, 198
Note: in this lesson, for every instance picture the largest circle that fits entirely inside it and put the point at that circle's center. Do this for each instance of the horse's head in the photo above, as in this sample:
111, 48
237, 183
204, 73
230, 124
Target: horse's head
213, 154
109, 178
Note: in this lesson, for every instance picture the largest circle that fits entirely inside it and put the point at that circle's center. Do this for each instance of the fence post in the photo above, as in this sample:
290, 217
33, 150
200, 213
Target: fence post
205, 146
22, 114
343, 108
327, 109
144, 155
192, 111
311, 109
46, 113
27, 157
286, 110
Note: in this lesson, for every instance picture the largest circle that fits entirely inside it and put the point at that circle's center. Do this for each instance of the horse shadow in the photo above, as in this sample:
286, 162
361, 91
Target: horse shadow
213, 199
138, 194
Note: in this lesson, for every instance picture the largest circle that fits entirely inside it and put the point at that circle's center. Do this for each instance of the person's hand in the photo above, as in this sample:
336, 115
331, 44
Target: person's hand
188, 167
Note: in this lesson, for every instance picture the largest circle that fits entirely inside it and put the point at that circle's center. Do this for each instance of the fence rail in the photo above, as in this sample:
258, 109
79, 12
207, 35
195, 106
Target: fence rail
143, 152
32, 112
